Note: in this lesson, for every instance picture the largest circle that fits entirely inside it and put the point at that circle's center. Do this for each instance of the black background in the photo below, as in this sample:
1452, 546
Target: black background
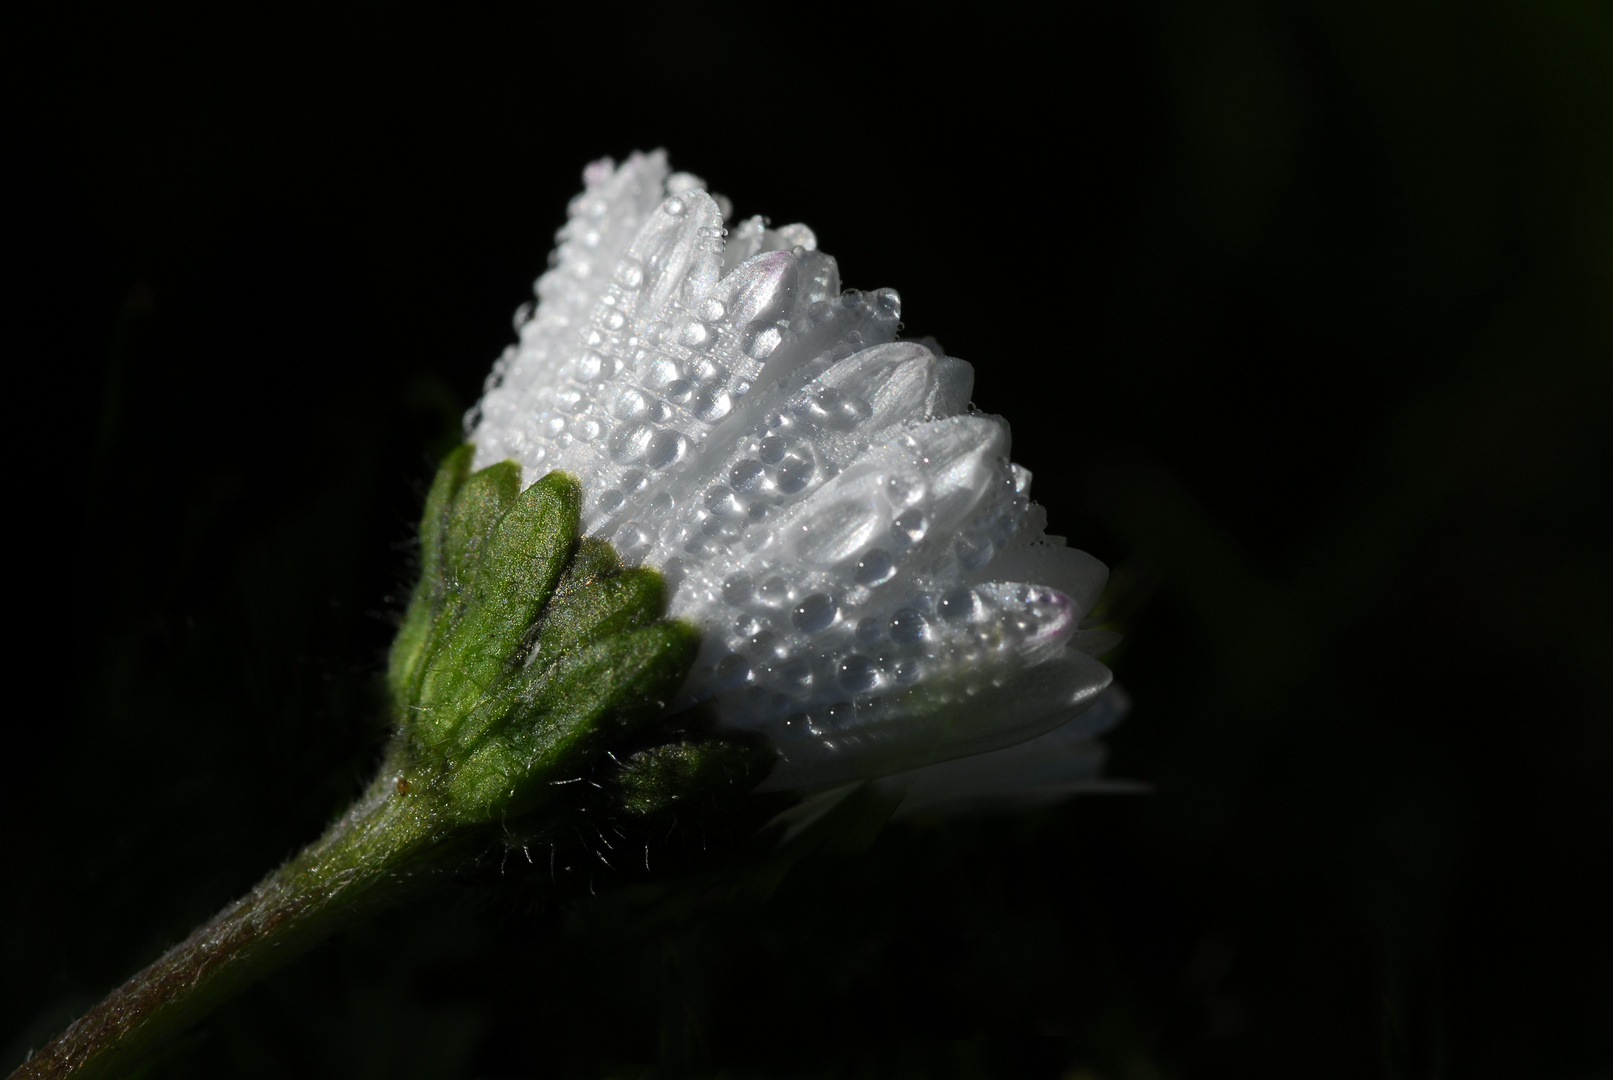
1300, 313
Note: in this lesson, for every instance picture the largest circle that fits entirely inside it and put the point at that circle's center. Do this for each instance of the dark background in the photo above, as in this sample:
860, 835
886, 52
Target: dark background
1301, 315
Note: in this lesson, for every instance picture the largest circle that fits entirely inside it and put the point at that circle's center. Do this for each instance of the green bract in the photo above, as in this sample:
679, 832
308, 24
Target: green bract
526, 651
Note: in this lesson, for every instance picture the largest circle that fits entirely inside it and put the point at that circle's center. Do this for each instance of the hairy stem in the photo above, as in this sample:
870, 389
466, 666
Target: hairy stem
388, 843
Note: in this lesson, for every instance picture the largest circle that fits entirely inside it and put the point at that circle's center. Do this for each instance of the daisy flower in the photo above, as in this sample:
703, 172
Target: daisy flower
873, 585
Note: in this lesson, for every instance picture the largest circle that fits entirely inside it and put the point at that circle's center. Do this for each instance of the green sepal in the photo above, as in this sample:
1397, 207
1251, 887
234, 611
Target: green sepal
426, 603
589, 700
511, 573
527, 653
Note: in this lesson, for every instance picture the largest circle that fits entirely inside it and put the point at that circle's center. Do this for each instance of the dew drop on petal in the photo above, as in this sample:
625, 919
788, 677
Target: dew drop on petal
771, 450
664, 449
632, 405
959, 604
630, 442
712, 406
794, 472
815, 613
633, 539
747, 475
841, 714
732, 670
909, 527
907, 626
858, 673
762, 343
795, 674
721, 500
589, 366
629, 274
737, 588
875, 568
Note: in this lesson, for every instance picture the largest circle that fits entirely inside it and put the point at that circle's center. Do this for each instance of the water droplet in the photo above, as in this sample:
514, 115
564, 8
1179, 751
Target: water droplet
869, 629
665, 449
587, 430
663, 373
732, 670
771, 450
775, 591
589, 366
632, 405
795, 674
630, 442
633, 481
747, 475
712, 310
760, 345
907, 626
554, 427
815, 613
974, 551
679, 390
695, 335
633, 539
712, 407
841, 714
611, 501
523, 315
794, 472
614, 320
858, 673
875, 568
674, 207
909, 527
629, 274
903, 490
721, 500
736, 589
958, 604
888, 301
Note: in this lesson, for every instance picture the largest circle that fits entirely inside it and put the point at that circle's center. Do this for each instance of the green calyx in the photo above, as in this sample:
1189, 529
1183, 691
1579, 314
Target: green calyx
526, 653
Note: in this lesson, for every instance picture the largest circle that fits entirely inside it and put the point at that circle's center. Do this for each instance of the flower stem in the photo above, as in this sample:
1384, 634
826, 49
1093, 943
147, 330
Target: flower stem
385, 846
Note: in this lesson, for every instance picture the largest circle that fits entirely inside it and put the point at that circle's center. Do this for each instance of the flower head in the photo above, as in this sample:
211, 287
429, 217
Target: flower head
873, 586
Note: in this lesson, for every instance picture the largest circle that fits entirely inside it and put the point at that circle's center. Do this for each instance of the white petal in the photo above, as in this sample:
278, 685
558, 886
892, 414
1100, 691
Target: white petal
1065, 761
937, 723
1072, 572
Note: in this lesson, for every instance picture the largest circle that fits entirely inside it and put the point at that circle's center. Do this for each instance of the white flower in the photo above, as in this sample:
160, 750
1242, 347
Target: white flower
873, 584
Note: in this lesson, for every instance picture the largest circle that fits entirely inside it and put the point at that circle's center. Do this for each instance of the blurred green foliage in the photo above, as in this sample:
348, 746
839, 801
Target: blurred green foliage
1301, 315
